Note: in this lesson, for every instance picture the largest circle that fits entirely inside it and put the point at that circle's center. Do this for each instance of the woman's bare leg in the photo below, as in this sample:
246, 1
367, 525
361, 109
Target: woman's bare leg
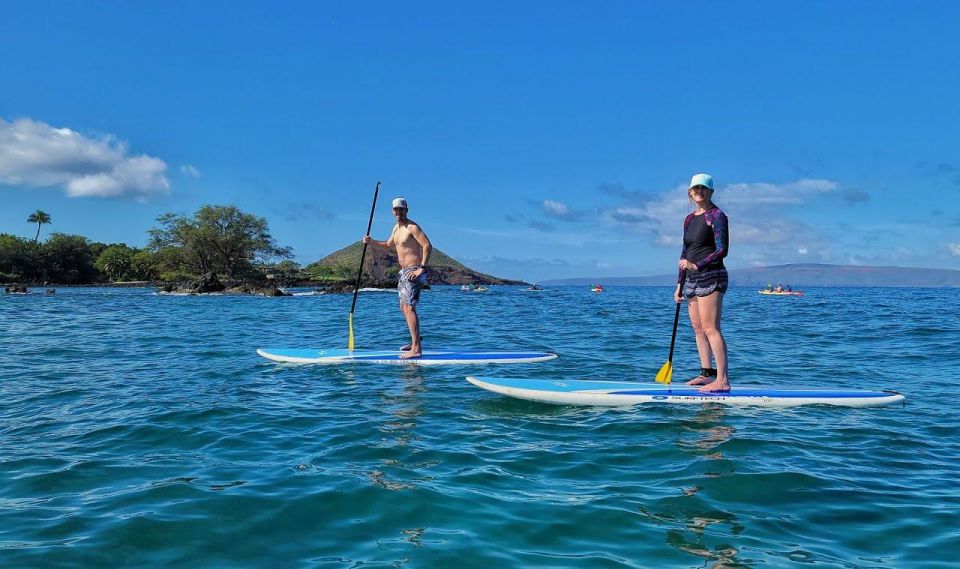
703, 344
710, 309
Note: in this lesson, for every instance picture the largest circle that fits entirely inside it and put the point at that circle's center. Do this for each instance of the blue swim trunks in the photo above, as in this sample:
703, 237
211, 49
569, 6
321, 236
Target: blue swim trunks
409, 289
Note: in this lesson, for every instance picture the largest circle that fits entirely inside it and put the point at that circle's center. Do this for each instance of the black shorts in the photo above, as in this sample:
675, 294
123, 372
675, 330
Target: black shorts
704, 283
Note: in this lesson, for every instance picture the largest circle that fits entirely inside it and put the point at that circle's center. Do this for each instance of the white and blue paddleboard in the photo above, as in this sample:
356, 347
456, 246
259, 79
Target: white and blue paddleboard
429, 357
625, 393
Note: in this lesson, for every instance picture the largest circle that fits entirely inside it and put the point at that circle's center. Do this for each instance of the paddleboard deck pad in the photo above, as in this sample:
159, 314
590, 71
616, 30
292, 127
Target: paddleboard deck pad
623, 393
429, 357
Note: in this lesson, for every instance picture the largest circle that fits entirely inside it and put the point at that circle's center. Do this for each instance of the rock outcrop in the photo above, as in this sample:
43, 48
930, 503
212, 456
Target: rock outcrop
210, 283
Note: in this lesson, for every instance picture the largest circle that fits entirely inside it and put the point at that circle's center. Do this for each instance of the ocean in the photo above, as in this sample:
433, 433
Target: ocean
139, 430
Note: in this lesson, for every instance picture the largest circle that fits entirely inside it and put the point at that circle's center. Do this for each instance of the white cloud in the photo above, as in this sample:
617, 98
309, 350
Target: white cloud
556, 209
954, 249
188, 170
755, 216
33, 153
761, 194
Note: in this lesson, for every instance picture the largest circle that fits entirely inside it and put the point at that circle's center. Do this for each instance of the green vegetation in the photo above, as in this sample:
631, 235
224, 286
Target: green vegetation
318, 272
122, 263
221, 240
63, 258
216, 239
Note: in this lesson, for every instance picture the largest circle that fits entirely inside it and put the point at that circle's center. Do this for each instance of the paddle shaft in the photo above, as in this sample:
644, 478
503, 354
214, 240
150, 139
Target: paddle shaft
676, 318
356, 289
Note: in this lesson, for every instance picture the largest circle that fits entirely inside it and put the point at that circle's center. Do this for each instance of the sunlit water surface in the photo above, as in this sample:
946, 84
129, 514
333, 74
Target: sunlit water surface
143, 430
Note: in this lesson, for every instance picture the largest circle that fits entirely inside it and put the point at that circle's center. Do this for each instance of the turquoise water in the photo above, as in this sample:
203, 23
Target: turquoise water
142, 430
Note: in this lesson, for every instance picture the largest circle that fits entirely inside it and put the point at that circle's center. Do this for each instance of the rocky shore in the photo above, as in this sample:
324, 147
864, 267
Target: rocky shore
208, 284
211, 284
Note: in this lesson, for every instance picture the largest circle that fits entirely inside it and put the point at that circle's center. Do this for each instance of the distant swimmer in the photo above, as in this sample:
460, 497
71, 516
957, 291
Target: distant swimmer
705, 244
413, 252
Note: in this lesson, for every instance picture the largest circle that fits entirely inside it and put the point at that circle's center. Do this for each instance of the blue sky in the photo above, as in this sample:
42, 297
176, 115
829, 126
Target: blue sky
532, 139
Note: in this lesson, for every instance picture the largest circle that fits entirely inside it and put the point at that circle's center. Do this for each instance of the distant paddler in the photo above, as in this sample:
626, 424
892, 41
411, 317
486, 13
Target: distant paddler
413, 252
705, 244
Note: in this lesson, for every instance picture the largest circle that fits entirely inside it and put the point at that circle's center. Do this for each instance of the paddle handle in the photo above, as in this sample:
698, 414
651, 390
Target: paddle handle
363, 254
676, 318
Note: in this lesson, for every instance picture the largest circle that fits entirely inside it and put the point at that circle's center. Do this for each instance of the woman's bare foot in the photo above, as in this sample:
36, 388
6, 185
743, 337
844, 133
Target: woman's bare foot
700, 380
717, 385
412, 353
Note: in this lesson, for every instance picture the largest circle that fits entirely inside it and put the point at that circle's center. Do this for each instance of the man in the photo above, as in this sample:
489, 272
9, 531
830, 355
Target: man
413, 251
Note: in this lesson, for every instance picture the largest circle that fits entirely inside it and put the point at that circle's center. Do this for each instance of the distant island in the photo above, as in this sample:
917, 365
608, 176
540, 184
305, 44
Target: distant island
380, 268
799, 275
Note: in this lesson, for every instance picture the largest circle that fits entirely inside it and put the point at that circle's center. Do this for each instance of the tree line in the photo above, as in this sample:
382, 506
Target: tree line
219, 240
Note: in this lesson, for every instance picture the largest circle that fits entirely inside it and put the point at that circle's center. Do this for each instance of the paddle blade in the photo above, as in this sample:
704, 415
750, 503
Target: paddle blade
665, 373
350, 341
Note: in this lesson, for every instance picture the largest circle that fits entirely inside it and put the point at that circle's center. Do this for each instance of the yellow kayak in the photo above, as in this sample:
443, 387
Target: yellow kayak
782, 293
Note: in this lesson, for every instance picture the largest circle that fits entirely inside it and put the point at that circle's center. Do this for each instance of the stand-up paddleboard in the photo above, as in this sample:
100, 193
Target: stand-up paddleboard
625, 393
429, 357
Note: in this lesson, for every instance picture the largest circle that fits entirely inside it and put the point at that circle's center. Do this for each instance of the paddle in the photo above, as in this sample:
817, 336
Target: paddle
666, 372
363, 254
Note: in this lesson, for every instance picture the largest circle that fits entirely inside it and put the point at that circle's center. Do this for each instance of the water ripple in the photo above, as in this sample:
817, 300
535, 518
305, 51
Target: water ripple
141, 429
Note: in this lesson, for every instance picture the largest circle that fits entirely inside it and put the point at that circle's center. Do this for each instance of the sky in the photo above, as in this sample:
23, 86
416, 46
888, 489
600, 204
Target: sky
532, 140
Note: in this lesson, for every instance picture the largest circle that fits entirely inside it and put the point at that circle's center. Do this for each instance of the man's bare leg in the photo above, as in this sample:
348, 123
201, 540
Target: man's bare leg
413, 324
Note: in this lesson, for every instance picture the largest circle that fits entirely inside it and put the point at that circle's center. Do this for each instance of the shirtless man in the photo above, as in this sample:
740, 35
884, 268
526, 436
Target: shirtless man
413, 251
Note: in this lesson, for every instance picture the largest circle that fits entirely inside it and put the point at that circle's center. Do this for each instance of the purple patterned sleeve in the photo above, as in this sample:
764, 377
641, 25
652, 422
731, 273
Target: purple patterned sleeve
683, 251
718, 221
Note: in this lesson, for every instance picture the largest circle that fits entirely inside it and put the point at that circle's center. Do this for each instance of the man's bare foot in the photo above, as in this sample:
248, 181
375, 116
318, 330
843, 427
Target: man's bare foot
410, 354
700, 380
718, 385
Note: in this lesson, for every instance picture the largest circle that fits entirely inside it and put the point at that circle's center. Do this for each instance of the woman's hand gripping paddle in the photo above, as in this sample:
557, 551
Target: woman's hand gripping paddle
666, 372
363, 254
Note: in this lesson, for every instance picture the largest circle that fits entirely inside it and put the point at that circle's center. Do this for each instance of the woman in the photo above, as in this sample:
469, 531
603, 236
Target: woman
705, 242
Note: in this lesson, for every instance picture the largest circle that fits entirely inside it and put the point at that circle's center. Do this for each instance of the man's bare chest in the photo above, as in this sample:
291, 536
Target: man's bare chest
404, 238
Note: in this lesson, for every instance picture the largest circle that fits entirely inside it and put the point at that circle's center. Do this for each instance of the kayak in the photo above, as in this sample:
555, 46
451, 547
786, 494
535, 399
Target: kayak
627, 393
782, 293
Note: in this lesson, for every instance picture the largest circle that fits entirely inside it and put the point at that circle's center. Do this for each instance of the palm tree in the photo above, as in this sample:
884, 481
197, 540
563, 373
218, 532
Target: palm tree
39, 217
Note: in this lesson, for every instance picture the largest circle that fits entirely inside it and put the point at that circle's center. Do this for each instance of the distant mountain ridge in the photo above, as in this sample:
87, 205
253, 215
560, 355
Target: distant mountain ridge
800, 275
381, 265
